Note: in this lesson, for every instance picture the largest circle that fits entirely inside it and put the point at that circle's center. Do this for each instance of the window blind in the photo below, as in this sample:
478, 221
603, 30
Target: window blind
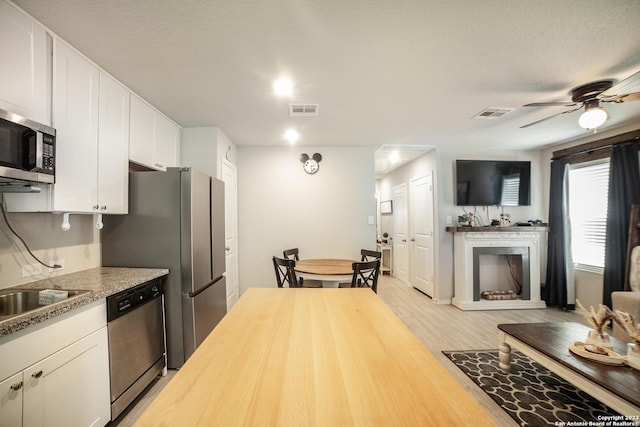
588, 193
510, 190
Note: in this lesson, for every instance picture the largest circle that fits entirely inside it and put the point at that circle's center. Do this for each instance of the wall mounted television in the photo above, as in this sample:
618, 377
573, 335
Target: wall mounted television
493, 183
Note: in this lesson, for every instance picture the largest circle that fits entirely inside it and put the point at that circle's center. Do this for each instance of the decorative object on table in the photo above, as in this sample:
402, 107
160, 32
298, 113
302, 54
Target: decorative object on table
505, 219
627, 321
598, 320
310, 165
385, 236
597, 354
464, 220
530, 393
386, 207
495, 222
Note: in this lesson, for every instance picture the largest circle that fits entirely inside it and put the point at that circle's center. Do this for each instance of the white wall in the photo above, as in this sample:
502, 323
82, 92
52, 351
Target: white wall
79, 247
441, 163
325, 215
204, 147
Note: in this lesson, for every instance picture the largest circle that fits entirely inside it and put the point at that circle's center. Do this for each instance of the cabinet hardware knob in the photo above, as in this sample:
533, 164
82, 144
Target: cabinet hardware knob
16, 386
37, 374
103, 208
227, 249
95, 207
413, 240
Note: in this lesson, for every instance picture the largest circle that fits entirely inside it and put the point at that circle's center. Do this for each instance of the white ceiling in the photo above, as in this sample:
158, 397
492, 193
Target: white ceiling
407, 72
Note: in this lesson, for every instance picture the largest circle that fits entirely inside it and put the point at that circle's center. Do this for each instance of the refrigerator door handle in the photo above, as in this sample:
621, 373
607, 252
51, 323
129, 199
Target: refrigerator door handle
205, 287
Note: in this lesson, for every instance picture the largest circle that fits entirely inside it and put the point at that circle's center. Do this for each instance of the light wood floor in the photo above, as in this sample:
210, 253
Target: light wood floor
438, 327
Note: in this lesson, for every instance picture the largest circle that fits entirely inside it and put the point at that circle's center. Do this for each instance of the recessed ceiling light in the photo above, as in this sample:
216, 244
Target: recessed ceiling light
291, 135
283, 86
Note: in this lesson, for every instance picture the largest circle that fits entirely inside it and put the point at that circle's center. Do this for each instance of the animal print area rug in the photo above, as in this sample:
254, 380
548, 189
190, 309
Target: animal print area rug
531, 394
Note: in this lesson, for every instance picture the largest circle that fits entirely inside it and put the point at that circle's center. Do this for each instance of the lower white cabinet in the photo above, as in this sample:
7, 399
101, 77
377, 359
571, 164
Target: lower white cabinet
69, 387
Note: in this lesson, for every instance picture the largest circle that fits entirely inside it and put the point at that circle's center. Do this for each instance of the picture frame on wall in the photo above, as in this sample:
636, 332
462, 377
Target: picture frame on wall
386, 207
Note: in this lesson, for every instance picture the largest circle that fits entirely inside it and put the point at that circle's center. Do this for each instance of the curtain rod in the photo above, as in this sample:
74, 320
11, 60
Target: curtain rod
602, 144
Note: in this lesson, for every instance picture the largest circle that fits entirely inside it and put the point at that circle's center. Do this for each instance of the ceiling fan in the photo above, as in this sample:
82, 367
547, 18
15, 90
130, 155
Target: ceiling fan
589, 96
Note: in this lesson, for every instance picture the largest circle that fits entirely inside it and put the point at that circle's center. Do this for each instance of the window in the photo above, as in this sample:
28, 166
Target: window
588, 188
510, 190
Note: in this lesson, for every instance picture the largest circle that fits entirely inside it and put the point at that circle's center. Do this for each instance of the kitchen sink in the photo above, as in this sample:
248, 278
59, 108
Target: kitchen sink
18, 301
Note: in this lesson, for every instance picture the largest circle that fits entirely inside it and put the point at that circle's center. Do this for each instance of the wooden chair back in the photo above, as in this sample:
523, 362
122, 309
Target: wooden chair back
365, 274
285, 273
368, 255
291, 254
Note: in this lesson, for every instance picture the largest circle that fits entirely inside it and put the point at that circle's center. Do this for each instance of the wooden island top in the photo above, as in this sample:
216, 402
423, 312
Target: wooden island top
313, 357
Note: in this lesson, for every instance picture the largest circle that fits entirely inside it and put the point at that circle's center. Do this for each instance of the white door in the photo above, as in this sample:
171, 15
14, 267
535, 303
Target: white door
400, 259
421, 218
229, 175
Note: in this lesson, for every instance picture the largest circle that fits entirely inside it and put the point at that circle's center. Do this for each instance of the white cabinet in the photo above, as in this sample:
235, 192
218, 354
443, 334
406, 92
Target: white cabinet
113, 147
63, 377
91, 117
75, 117
11, 401
25, 85
154, 139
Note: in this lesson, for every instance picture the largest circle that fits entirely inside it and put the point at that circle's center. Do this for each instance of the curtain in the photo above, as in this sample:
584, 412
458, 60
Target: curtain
624, 190
555, 289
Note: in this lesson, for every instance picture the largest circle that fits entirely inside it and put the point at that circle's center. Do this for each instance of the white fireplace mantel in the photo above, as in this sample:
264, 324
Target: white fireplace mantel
527, 239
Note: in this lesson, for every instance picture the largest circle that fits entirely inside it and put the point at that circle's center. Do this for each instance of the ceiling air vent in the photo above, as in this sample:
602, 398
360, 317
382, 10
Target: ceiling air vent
304, 109
492, 113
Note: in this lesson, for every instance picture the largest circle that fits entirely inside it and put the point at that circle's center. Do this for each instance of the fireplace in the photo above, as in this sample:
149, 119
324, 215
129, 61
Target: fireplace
523, 278
473, 246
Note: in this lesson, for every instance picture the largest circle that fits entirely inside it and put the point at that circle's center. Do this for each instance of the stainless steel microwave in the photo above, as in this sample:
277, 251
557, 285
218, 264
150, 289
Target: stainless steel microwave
27, 150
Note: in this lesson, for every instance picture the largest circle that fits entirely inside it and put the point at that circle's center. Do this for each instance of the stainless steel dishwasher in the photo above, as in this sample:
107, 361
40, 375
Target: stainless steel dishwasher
136, 342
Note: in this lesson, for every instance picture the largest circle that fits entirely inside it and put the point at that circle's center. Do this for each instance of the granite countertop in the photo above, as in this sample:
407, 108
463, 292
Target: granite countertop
101, 282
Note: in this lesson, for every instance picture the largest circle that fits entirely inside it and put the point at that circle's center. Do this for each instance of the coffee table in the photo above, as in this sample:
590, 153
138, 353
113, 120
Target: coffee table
548, 344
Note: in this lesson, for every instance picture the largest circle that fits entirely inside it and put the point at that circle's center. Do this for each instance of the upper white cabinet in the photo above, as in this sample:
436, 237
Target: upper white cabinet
154, 139
113, 147
24, 66
91, 117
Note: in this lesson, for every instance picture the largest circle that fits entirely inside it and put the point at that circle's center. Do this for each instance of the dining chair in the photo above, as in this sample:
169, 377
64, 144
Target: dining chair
285, 273
368, 255
365, 274
293, 254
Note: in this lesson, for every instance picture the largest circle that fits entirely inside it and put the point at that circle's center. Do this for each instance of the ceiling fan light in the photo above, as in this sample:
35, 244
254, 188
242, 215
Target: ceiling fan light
593, 118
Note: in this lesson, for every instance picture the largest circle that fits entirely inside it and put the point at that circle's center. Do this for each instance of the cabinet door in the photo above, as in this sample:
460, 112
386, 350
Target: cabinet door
167, 144
113, 147
75, 117
143, 119
24, 86
11, 401
74, 387
32, 415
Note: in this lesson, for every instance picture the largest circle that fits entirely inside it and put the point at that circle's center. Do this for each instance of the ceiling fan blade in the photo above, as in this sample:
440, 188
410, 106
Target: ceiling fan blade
550, 117
628, 83
551, 104
628, 97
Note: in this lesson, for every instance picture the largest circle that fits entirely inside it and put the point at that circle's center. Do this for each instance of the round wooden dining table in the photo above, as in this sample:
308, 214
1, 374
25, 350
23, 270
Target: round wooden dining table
331, 272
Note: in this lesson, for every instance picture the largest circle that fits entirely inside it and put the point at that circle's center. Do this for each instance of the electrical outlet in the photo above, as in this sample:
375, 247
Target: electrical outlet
449, 220
31, 270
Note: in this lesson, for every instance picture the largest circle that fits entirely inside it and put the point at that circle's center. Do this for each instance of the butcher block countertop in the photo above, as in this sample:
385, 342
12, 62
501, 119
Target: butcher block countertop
100, 282
316, 357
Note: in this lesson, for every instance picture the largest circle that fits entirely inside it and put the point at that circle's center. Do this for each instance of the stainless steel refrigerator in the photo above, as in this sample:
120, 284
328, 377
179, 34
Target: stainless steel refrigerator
175, 221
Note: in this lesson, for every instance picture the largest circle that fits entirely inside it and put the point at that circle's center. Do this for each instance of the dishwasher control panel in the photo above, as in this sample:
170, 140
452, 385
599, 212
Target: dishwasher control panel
122, 302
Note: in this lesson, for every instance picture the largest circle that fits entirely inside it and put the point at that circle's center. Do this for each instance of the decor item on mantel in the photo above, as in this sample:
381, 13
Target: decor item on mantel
464, 220
627, 321
598, 320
